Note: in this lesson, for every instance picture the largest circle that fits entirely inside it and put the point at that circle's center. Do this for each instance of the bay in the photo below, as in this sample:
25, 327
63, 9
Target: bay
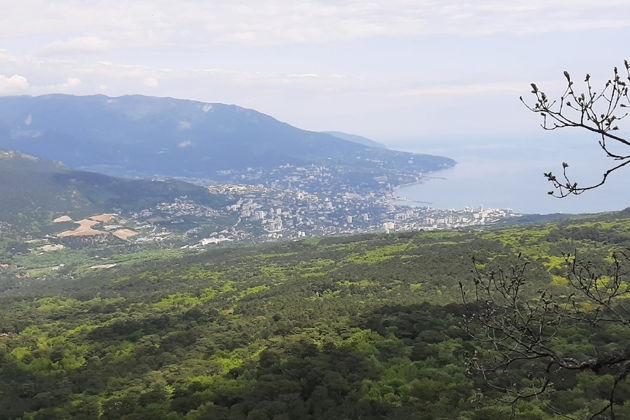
511, 176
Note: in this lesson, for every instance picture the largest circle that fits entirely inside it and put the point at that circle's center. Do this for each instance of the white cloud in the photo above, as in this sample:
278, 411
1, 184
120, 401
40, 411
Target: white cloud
150, 82
185, 144
13, 84
70, 85
77, 46
71, 82
184, 125
197, 24
20, 85
466, 89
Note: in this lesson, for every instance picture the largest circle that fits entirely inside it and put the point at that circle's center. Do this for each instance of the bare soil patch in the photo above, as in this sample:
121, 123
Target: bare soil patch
124, 233
103, 217
84, 229
48, 248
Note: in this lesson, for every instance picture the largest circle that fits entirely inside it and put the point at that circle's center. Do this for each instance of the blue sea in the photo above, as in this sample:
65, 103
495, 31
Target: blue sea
510, 175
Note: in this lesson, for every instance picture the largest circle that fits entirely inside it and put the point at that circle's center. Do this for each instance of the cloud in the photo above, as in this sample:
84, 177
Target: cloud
20, 85
13, 84
185, 144
77, 46
70, 85
466, 89
150, 82
198, 24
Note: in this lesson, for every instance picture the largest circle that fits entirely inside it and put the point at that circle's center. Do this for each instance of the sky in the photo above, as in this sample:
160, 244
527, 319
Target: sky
404, 72
436, 76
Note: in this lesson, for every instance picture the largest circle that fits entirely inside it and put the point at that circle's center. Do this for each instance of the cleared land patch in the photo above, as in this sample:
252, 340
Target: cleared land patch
84, 229
124, 233
103, 217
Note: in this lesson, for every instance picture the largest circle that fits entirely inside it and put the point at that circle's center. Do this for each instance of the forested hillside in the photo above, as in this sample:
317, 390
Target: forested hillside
355, 327
34, 191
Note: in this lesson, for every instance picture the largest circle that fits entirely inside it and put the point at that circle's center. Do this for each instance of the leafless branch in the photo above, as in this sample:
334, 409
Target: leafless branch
517, 323
596, 112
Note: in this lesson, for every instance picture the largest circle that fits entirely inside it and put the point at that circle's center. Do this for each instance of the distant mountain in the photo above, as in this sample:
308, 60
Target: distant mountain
33, 190
172, 137
356, 139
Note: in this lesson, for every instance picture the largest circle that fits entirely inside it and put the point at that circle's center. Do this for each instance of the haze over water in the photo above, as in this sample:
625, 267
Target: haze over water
509, 174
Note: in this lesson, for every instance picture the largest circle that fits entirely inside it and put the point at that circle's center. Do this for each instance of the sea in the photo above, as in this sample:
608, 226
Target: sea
509, 174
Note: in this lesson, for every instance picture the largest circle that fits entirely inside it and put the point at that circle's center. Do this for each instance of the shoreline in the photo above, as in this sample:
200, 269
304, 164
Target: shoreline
402, 200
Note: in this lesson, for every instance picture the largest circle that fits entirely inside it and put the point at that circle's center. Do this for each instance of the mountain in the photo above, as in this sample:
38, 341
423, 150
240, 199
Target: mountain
34, 189
181, 138
356, 139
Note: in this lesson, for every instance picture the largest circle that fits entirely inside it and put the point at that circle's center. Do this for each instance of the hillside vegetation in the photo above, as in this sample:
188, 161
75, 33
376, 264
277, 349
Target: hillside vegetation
35, 190
336, 328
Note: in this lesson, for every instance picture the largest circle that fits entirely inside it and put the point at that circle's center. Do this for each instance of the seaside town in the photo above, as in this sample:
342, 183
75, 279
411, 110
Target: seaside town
295, 206
289, 207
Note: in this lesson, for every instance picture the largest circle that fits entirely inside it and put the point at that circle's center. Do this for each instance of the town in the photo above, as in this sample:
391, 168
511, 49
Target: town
298, 202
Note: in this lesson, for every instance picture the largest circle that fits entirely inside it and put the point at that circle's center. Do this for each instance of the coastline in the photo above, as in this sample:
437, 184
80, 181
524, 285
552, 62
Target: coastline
402, 200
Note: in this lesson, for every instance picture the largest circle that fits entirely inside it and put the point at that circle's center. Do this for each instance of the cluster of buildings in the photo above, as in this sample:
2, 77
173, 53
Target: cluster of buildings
286, 214
295, 202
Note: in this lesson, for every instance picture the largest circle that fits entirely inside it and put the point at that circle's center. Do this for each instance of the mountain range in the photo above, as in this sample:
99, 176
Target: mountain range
148, 136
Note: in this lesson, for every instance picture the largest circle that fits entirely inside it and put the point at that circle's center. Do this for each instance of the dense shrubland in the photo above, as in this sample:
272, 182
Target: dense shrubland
366, 327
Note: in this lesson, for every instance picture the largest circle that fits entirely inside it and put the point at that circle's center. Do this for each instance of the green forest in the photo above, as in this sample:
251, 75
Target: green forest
364, 327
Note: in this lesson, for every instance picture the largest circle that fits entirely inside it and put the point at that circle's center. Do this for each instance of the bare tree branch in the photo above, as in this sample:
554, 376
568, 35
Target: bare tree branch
596, 112
517, 324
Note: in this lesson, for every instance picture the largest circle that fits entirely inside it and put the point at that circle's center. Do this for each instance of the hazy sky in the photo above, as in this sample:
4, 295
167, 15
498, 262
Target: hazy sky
400, 71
